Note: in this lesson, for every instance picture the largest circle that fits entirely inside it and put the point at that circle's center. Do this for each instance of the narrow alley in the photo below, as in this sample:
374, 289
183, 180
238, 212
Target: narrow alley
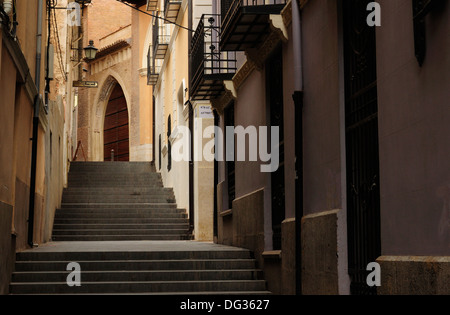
224, 147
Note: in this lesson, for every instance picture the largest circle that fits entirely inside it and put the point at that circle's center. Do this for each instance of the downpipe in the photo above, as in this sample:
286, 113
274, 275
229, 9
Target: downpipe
298, 103
37, 103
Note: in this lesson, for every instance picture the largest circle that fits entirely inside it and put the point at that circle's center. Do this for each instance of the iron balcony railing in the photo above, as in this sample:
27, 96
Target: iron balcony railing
152, 5
210, 65
152, 69
233, 14
230, 7
161, 39
171, 9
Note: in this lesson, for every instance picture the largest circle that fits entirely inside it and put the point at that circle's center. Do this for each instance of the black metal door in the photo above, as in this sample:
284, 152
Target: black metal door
361, 114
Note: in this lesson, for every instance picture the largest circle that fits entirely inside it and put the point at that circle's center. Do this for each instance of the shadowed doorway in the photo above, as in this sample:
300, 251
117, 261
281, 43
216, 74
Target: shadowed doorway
116, 129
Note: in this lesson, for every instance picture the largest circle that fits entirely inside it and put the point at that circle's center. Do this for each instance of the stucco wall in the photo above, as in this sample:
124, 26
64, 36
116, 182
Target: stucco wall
414, 133
321, 130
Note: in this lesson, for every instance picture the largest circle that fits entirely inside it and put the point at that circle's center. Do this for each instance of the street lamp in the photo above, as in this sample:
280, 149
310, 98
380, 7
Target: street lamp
90, 51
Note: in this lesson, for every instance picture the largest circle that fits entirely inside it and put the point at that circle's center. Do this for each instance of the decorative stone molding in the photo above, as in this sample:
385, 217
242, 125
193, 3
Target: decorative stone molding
220, 103
229, 86
110, 82
287, 13
278, 26
302, 3
110, 60
259, 55
143, 72
243, 72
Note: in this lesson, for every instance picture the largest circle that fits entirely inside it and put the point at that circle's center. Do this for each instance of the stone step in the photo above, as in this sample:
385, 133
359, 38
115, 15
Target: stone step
121, 210
121, 226
116, 215
119, 237
114, 185
158, 264
109, 205
109, 179
156, 294
114, 174
112, 190
138, 286
112, 166
126, 220
118, 199
129, 236
139, 275
109, 231
169, 254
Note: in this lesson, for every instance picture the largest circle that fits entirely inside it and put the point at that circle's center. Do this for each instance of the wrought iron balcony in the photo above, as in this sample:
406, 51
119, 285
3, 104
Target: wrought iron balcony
161, 40
245, 23
210, 65
171, 9
152, 5
152, 69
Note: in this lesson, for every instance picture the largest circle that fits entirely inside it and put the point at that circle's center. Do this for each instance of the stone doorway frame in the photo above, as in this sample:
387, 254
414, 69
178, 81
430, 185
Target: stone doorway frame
98, 113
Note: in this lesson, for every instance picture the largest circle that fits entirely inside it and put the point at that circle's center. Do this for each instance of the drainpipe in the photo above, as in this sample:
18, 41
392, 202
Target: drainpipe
37, 102
191, 124
298, 103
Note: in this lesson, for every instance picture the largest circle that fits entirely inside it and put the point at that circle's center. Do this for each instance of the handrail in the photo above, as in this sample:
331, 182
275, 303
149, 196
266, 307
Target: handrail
80, 144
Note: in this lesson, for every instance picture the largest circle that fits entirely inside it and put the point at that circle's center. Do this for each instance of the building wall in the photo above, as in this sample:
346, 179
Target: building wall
414, 151
324, 152
145, 92
106, 23
171, 94
413, 146
17, 96
414, 141
249, 223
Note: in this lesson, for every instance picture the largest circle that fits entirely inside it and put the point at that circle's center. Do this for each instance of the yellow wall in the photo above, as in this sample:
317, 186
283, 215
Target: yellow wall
145, 91
7, 100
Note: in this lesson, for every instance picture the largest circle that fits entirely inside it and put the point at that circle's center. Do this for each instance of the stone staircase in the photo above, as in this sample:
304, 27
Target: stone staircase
118, 201
128, 237
163, 267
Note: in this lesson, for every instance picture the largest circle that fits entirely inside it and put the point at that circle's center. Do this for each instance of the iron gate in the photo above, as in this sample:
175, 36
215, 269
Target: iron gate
361, 114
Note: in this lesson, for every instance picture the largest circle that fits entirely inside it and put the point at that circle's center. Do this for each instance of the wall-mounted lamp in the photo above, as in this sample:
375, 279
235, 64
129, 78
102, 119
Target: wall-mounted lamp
90, 51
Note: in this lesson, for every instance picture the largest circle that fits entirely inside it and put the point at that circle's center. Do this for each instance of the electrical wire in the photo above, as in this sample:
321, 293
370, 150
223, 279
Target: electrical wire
59, 50
155, 16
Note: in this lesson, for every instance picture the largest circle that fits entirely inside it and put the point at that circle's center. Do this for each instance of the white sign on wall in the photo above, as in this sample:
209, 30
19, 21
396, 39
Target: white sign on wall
205, 111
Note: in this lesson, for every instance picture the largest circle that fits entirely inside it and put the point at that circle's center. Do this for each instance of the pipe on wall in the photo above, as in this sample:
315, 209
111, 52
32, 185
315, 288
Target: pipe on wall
34, 139
298, 103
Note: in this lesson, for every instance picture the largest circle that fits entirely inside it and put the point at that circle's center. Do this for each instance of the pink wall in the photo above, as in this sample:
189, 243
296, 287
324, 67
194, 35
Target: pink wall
414, 132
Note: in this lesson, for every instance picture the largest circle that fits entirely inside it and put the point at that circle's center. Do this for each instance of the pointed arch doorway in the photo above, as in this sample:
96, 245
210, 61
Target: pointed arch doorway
116, 134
